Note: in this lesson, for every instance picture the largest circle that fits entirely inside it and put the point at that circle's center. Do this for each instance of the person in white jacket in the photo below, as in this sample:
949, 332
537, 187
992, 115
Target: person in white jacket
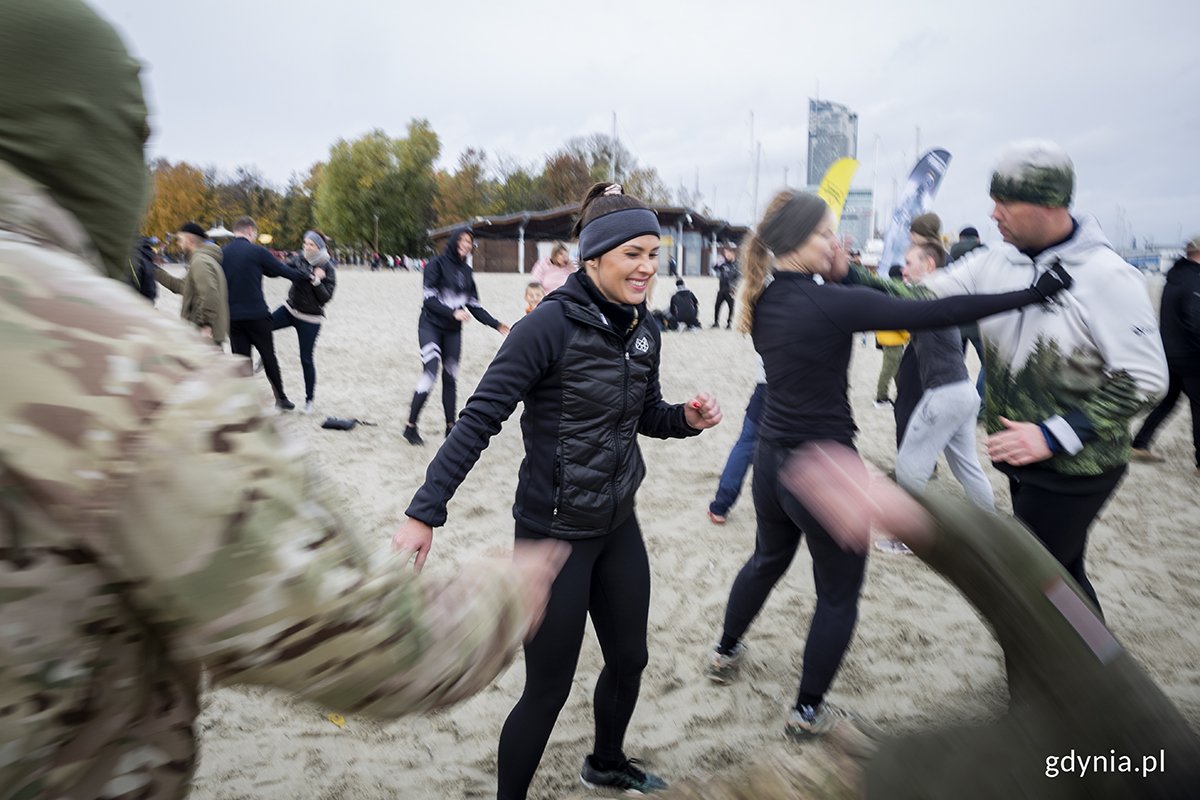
1064, 378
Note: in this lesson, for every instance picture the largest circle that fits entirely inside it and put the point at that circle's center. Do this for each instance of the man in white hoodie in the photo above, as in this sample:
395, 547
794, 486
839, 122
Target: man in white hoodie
1064, 378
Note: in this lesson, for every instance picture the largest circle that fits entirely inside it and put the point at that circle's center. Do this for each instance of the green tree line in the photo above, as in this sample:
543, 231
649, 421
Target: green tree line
377, 189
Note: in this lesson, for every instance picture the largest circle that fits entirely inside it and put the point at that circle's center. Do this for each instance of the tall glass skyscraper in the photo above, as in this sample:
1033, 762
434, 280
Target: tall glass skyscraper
832, 134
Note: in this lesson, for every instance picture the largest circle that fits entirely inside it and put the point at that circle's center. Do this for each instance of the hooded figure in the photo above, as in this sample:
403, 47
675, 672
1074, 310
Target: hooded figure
156, 525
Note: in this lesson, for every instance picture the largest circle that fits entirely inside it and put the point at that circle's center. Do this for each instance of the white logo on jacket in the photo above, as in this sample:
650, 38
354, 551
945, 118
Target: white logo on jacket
642, 345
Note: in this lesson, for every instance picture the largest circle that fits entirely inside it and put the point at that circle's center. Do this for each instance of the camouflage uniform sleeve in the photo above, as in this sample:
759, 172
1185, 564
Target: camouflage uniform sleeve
233, 548
861, 276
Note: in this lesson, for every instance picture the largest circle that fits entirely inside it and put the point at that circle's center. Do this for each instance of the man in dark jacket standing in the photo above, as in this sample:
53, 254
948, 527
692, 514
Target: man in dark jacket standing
1179, 321
729, 275
245, 263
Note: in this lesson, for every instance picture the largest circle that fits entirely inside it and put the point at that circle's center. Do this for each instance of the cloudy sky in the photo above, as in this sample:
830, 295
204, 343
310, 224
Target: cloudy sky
274, 82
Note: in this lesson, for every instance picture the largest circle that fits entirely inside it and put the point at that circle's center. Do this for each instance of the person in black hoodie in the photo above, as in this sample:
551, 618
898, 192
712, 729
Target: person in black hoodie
1179, 323
304, 308
585, 364
450, 300
685, 308
803, 330
141, 269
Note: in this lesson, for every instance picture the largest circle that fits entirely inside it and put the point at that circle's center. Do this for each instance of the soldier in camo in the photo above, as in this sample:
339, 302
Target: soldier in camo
153, 522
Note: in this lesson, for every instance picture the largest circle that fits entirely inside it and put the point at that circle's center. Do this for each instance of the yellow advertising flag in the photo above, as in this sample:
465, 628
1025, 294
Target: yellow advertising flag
836, 185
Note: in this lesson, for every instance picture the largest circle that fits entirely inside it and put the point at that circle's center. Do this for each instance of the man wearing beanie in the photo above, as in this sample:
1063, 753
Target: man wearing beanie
968, 242
157, 525
205, 301
1179, 316
685, 308
1064, 379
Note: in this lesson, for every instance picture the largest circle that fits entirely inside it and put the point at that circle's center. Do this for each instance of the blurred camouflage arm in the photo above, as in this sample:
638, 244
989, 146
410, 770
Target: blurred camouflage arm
861, 276
232, 549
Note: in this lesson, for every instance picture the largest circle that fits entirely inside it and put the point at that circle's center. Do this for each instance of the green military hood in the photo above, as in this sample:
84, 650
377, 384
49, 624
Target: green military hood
72, 117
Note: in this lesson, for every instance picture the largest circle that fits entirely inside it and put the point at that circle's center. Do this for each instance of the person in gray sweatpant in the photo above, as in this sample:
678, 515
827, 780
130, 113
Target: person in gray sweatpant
944, 417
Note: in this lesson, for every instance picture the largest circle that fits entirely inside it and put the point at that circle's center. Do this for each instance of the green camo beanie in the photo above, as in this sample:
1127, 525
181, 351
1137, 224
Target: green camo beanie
1037, 172
73, 119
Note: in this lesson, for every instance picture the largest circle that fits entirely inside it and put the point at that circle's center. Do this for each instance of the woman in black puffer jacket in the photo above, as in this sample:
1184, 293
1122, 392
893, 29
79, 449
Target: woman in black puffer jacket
304, 308
585, 364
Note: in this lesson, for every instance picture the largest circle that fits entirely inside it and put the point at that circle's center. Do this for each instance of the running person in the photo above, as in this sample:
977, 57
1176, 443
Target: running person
803, 331
304, 308
450, 300
585, 364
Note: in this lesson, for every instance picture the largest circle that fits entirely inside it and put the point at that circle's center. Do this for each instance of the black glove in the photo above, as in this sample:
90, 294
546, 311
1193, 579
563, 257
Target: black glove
1051, 282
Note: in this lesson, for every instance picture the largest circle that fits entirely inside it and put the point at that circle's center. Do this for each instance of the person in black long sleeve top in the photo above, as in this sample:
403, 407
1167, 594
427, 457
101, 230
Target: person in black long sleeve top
304, 308
245, 263
802, 320
450, 300
585, 364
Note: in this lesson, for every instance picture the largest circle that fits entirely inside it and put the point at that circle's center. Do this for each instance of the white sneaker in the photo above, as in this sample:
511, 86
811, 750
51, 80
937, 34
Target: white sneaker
893, 546
308, 407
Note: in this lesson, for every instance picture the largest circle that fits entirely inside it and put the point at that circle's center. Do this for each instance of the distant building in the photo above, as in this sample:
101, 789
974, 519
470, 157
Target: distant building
855, 227
832, 134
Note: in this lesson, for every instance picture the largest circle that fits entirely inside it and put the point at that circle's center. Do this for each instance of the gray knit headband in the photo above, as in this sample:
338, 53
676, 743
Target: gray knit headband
614, 228
791, 225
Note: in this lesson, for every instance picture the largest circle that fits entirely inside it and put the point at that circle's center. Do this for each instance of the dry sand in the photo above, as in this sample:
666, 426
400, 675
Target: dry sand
920, 653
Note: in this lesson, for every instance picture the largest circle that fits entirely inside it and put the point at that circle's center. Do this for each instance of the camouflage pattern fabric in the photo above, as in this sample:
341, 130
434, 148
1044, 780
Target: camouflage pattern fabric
154, 522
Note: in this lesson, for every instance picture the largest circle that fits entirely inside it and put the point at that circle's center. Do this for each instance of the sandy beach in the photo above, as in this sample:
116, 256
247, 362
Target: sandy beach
920, 653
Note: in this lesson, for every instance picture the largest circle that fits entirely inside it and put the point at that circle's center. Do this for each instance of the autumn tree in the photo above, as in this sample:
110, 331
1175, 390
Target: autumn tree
518, 188
379, 183
296, 212
467, 192
177, 194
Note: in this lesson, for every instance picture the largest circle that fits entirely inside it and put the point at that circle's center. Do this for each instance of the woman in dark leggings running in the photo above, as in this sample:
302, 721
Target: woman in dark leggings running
450, 300
803, 331
585, 364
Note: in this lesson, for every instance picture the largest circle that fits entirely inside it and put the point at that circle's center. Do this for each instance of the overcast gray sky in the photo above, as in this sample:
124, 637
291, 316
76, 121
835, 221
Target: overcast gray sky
273, 83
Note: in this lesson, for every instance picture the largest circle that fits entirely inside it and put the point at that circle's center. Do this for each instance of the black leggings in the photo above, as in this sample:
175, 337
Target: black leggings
607, 577
837, 575
723, 298
1061, 521
437, 347
1179, 383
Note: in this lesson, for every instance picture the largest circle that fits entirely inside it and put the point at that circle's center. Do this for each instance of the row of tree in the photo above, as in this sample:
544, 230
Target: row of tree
386, 193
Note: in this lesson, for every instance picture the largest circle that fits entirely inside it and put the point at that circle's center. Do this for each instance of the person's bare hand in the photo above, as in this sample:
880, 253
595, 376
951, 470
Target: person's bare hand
537, 563
413, 538
462, 315
206, 331
702, 411
319, 274
1020, 443
848, 499
503, 329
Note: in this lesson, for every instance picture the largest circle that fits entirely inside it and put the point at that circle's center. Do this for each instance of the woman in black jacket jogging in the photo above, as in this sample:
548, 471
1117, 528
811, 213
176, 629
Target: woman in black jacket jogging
304, 308
450, 300
585, 363
803, 330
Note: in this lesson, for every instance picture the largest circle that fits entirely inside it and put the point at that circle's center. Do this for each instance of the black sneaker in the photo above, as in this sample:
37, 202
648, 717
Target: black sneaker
283, 404
412, 435
628, 778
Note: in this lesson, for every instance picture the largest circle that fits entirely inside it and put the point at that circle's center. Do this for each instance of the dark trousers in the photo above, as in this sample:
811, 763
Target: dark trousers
1061, 521
837, 575
1180, 383
724, 297
438, 348
729, 487
307, 333
607, 578
256, 333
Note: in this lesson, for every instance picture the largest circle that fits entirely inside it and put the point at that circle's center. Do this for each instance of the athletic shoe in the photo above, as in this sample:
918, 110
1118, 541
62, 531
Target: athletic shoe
412, 435
893, 546
1145, 456
806, 722
285, 405
628, 777
722, 668
716, 519
884, 403
716, 324
308, 407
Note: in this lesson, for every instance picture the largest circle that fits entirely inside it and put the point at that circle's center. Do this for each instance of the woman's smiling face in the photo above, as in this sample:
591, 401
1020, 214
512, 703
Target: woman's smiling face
623, 273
